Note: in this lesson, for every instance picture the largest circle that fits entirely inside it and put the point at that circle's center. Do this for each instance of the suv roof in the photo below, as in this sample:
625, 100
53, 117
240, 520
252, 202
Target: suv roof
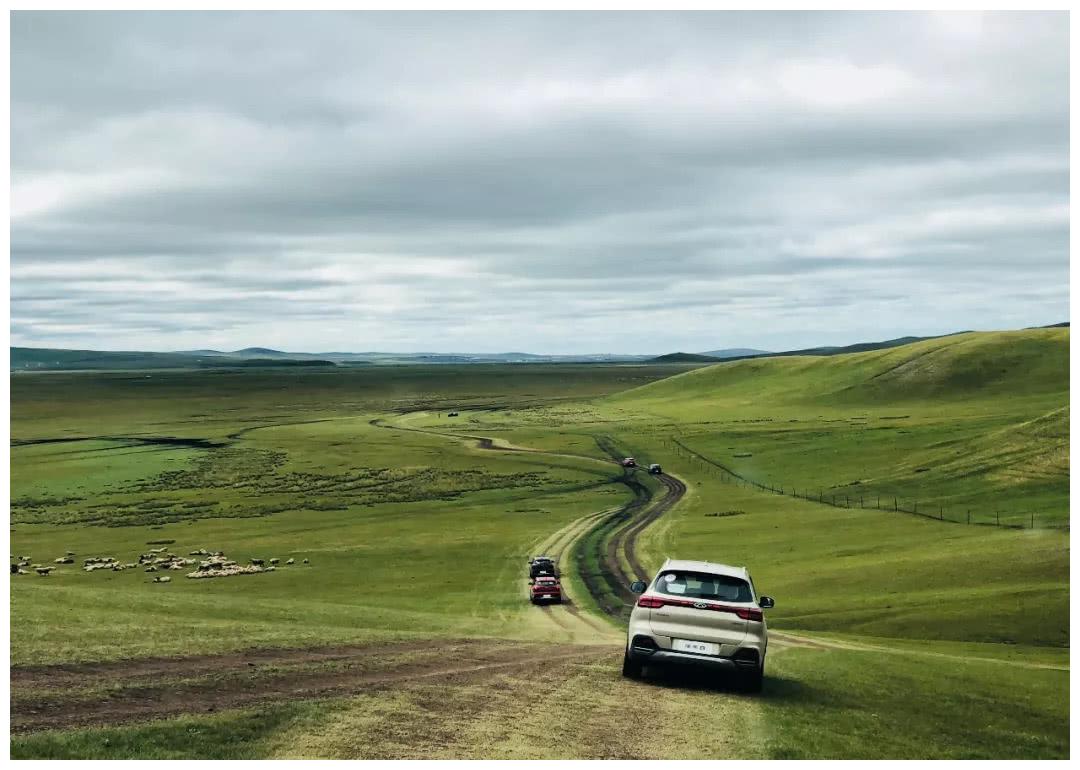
706, 566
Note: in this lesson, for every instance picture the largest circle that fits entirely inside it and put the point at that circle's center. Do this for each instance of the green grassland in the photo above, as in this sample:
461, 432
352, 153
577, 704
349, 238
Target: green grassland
937, 638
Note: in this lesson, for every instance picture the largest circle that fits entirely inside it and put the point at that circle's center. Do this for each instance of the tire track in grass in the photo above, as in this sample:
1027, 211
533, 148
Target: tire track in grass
600, 571
62, 706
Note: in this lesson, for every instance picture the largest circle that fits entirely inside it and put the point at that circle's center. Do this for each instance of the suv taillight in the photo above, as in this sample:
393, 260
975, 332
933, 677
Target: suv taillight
747, 613
651, 602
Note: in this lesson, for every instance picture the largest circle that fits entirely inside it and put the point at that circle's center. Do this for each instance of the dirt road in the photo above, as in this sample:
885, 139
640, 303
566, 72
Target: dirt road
52, 697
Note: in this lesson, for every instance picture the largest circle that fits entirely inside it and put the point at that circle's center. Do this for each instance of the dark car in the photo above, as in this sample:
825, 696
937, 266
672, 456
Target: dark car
542, 566
655, 469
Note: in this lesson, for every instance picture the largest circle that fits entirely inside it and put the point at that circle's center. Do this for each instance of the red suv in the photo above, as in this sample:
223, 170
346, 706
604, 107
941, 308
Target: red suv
629, 462
545, 589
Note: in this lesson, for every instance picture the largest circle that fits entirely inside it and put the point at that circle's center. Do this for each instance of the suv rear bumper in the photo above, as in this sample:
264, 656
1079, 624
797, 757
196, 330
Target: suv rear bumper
687, 659
644, 650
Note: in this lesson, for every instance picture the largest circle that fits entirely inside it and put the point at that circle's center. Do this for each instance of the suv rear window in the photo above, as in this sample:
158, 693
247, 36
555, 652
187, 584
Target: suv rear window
701, 585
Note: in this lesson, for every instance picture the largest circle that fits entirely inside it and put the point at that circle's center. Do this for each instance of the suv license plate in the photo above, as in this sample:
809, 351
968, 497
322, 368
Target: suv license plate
700, 648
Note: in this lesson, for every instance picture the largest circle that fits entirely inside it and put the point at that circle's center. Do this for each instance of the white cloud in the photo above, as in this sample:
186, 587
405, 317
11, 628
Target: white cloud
534, 181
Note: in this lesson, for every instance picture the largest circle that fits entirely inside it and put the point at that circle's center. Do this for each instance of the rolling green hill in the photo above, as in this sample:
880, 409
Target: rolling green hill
894, 635
970, 427
671, 358
1017, 364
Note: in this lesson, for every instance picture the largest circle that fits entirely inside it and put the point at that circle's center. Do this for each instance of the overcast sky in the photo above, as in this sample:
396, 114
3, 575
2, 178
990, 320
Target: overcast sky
553, 183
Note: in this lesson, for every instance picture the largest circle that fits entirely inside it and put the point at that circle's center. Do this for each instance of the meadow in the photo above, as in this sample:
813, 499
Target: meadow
898, 635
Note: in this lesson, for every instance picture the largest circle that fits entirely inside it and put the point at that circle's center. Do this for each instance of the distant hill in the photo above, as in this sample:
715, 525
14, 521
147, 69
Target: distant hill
675, 358
734, 353
247, 363
265, 353
738, 354
50, 359
832, 350
1016, 364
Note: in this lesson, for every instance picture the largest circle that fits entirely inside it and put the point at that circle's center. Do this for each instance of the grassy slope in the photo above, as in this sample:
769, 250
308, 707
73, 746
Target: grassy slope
900, 579
973, 422
993, 439
446, 514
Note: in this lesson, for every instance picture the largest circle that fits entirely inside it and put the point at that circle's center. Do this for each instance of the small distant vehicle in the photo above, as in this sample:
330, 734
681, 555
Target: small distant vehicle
542, 566
700, 614
451, 414
545, 589
629, 462
655, 469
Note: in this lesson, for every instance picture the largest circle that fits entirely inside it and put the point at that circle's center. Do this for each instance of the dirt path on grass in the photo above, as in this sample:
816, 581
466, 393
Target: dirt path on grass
610, 587
56, 697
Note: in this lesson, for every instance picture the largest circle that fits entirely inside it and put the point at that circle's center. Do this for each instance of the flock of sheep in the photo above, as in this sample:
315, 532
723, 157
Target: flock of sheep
211, 565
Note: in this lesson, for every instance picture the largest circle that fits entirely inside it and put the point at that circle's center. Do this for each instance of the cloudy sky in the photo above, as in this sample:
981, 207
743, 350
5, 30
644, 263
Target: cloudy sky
557, 183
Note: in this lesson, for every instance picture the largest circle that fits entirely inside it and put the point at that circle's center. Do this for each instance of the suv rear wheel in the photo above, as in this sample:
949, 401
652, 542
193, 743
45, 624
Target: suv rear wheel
751, 681
630, 668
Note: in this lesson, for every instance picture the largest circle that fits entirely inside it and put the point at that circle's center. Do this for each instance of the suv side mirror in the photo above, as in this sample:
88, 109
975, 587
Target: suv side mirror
765, 602
638, 587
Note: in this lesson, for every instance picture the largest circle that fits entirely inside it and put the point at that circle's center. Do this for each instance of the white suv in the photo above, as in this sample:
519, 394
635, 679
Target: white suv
699, 613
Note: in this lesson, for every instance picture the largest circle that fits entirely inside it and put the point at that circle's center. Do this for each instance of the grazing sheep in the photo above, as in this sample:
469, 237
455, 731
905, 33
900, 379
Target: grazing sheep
151, 568
223, 570
291, 561
162, 579
23, 572
64, 560
70, 553
306, 561
158, 550
257, 562
43, 571
274, 561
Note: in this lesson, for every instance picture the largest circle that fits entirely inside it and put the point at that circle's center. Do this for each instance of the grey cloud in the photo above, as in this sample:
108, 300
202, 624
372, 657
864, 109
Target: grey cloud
534, 181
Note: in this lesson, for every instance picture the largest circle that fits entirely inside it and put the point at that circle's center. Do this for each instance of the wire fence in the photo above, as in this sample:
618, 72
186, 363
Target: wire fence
874, 500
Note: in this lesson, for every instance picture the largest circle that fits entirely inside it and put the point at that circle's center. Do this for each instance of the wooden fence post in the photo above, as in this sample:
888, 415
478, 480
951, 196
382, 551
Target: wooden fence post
969, 516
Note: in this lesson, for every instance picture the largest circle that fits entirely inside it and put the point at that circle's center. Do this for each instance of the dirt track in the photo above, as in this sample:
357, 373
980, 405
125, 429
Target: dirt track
151, 689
